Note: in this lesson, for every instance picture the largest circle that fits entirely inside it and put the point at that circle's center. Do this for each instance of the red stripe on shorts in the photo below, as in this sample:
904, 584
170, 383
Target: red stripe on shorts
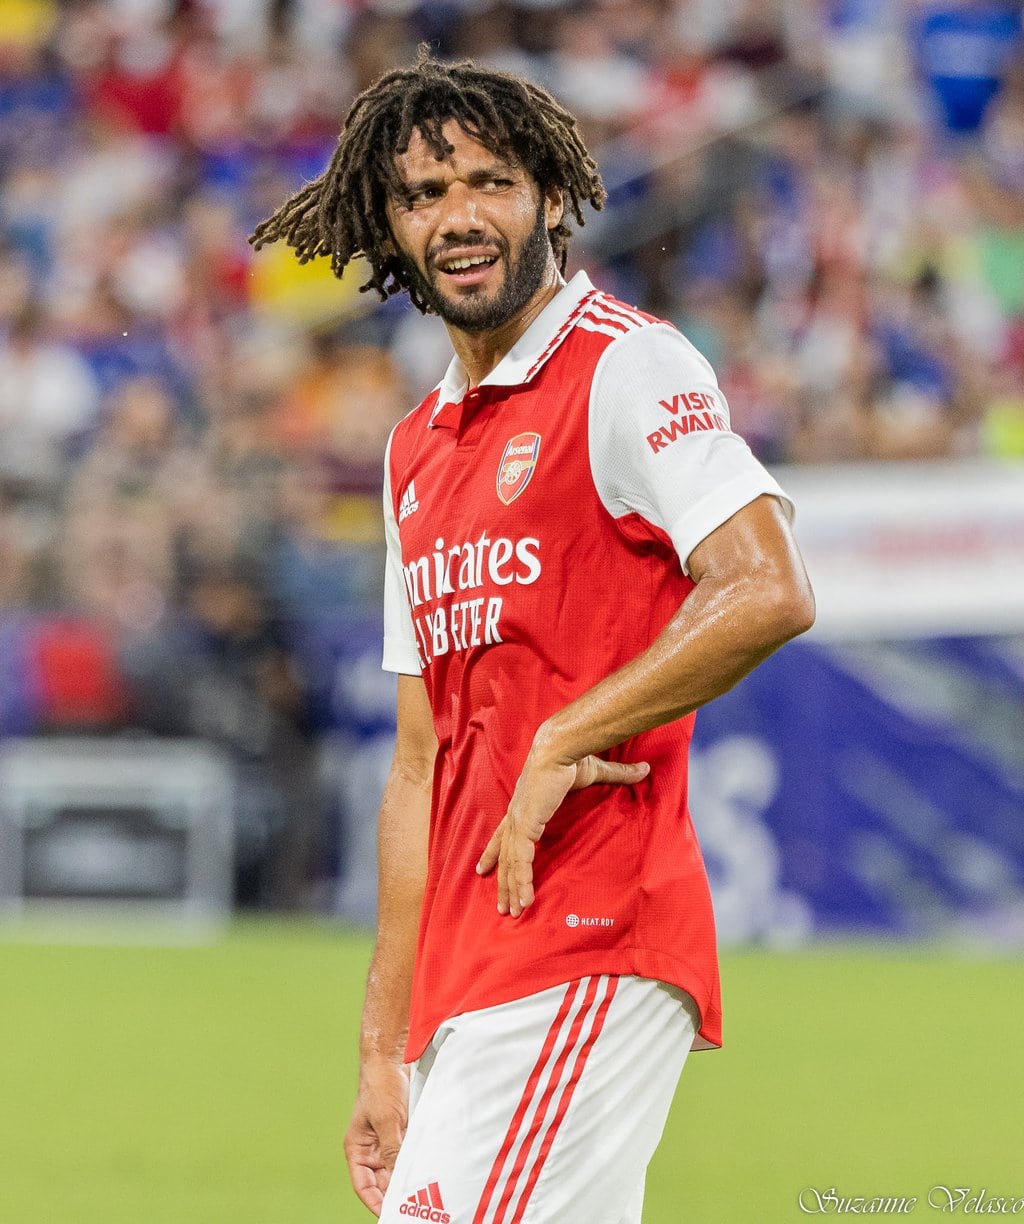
542, 1106
524, 1102
566, 1100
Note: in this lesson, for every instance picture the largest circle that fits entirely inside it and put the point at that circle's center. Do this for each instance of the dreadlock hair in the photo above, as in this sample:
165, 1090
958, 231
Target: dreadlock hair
343, 213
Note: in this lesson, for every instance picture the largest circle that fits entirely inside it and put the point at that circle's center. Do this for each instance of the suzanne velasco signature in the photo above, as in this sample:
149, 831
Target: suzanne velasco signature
947, 1199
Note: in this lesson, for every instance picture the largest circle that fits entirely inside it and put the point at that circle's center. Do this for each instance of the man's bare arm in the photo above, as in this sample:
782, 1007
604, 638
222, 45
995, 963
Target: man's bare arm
381, 1111
751, 596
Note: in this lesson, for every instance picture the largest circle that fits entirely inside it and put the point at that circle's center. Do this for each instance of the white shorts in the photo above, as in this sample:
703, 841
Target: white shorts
545, 1110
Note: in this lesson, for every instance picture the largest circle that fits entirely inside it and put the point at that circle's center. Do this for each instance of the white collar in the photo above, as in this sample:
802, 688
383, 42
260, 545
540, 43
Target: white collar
530, 351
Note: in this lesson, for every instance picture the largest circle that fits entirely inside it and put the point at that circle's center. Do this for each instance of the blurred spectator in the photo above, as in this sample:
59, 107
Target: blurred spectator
963, 48
755, 38
75, 678
219, 669
135, 450
603, 86
865, 59
16, 289
47, 397
340, 408
110, 174
18, 557
1003, 138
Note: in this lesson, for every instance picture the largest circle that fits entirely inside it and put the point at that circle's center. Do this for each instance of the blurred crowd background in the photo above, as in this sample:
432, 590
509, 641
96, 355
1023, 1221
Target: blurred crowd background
827, 196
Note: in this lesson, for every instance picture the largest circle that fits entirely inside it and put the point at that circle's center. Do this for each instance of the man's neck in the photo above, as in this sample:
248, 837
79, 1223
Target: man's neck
480, 352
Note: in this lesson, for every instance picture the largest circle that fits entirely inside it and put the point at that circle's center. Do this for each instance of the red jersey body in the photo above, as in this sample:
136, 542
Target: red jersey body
518, 580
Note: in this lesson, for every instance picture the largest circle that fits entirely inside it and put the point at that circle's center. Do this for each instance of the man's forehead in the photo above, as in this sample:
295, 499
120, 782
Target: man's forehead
421, 157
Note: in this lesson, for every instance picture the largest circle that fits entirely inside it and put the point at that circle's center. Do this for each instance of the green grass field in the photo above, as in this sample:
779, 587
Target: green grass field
211, 1084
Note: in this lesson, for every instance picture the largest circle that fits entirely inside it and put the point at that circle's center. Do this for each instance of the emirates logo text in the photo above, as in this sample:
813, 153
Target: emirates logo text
460, 624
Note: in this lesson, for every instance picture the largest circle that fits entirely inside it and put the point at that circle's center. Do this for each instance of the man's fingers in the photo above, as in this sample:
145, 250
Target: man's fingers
490, 856
513, 856
369, 1180
593, 770
390, 1133
389, 1154
512, 850
515, 900
503, 893
367, 1190
502, 872
371, 1148
523, 876
627, 773
519, 874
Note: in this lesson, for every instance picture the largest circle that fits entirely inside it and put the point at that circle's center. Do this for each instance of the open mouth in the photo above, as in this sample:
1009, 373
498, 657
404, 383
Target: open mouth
468, 269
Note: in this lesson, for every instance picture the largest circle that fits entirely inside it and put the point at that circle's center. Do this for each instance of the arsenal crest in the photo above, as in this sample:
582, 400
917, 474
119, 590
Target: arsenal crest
516, 467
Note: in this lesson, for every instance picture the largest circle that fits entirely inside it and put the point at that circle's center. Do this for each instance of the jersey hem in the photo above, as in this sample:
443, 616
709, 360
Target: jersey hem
639, 962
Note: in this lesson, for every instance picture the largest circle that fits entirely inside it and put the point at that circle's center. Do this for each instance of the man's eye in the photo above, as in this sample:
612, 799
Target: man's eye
493, 184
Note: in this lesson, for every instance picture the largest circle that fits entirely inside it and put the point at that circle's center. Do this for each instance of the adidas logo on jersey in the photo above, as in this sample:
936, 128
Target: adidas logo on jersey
426, 1204
408, 505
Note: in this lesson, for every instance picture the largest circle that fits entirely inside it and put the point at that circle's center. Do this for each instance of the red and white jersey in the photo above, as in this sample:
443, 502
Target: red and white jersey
538, 530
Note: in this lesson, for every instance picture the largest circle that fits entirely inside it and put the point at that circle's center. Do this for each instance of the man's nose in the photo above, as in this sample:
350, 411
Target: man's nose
462, 214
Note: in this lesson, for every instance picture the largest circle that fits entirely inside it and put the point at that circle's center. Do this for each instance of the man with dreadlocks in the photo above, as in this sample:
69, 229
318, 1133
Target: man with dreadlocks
580, 553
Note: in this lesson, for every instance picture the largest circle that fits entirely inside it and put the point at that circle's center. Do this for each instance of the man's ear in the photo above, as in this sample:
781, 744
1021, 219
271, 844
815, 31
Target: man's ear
554, 207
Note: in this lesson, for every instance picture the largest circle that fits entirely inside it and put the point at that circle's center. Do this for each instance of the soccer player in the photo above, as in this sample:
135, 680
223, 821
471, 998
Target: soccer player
580, 553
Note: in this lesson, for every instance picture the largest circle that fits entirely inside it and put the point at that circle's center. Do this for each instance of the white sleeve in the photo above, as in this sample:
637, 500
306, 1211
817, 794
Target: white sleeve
661, 445
400, 653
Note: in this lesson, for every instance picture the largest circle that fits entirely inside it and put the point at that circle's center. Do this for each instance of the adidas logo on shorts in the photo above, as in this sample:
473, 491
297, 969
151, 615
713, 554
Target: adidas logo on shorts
426, 1205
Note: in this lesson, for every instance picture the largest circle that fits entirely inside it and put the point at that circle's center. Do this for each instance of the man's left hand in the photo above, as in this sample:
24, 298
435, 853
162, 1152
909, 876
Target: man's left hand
542, 786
